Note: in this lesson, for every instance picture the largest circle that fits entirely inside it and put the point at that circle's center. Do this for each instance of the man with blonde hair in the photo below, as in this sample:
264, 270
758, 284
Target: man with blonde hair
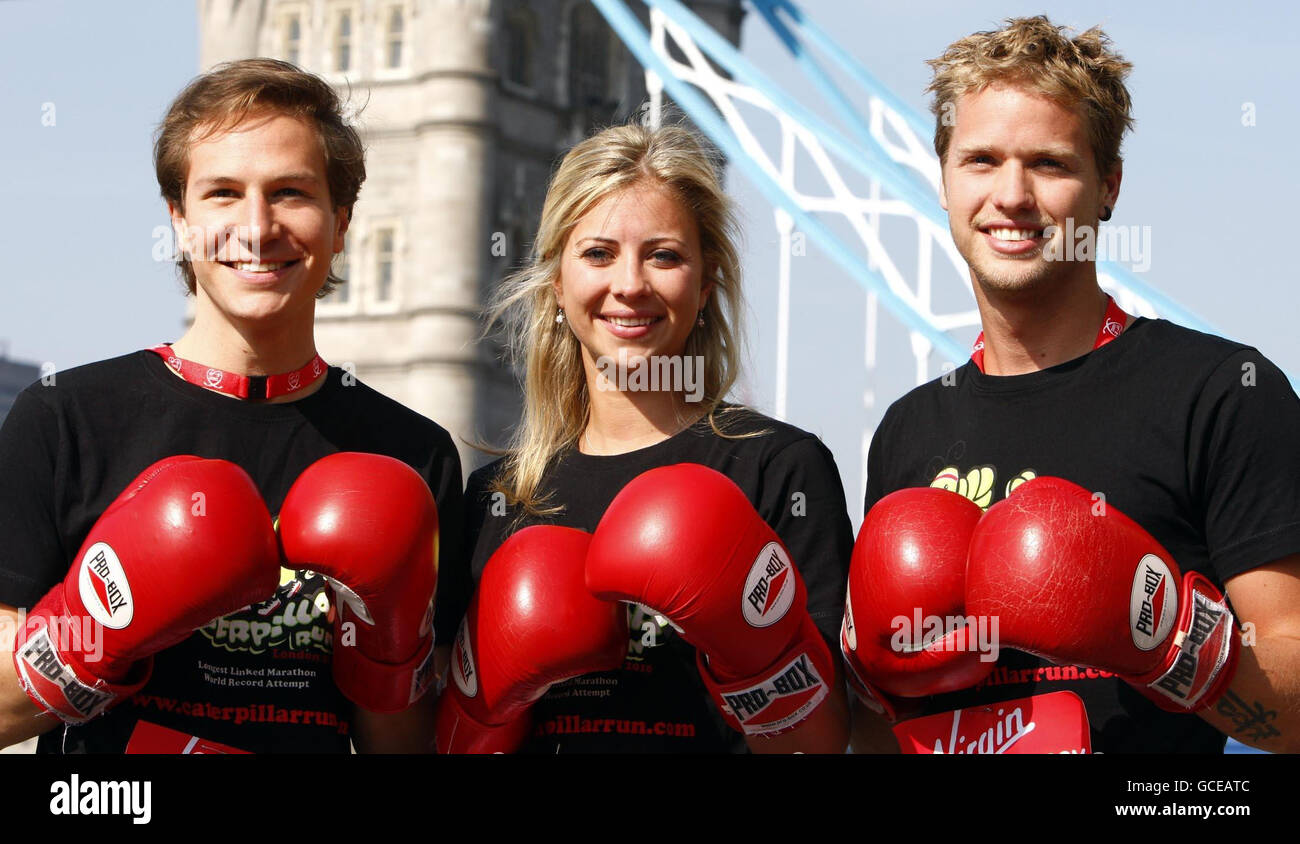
161, 466
1133, 472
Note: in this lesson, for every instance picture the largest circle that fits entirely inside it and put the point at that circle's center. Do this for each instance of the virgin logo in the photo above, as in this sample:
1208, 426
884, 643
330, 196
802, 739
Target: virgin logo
1113, 328
214, 377
1050, 723
997, 737
174, 363
293, 381
315, 367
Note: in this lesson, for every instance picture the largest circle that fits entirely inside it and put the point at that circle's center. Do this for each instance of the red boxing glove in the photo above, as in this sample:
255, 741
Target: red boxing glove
187, 541
684, 541
1078, 582
369, 524
904, 632
530, 624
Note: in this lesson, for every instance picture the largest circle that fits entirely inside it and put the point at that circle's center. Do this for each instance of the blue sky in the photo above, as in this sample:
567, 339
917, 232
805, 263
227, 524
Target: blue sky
82, 212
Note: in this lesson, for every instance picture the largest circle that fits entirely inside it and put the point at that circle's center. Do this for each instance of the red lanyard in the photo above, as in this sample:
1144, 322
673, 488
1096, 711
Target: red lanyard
1111, 327
243, 386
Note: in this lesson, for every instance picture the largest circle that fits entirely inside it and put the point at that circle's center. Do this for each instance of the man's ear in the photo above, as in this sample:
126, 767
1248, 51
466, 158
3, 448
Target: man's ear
1110, 187
342, 219
943, 191
180, 230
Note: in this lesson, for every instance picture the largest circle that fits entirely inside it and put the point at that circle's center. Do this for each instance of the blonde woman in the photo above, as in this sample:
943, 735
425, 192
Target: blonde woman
625, 324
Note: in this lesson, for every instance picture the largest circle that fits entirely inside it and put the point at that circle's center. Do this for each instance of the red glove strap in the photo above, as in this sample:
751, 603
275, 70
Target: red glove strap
459, 732
58, 685
783, 695
1203, 660
382, 686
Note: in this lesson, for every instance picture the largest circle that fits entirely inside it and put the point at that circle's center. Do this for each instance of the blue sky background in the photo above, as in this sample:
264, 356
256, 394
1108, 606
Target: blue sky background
82, 209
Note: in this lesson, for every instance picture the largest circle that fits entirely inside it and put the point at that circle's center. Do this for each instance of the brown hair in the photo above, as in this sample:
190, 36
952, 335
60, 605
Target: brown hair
224, 96
1080, 72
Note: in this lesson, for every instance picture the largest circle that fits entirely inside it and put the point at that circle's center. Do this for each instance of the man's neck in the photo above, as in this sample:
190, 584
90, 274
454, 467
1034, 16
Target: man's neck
1028, 333
250, 349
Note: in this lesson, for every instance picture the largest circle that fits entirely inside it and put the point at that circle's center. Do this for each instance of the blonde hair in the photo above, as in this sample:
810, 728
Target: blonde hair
556, 403
1082, 71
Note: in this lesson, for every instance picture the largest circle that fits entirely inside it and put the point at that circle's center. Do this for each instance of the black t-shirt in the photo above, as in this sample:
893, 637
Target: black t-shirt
657, 702
259, 679
1194, 437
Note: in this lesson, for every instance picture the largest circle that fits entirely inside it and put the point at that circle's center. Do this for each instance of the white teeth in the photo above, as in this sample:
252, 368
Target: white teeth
629, 322
1013, 234
259, 268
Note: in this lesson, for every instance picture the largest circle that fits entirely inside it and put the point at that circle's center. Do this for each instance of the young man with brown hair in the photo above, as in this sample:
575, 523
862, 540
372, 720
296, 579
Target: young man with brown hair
260, 171
1179, 452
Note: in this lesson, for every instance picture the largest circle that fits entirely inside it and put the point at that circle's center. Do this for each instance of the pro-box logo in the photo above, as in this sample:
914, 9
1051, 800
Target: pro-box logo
462, 662
769, 589
104, 590
1153, 603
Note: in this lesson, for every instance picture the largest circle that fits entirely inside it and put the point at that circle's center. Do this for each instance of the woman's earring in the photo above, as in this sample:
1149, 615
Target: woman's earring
1105, 213
699, 320
559, 316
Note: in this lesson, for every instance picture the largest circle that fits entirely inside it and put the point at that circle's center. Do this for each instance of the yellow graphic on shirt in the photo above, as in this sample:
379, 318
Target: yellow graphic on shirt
296, 617
977, 485
1023, 477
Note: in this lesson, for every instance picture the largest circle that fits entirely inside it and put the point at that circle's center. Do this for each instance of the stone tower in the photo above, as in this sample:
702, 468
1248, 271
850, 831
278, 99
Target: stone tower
465, 107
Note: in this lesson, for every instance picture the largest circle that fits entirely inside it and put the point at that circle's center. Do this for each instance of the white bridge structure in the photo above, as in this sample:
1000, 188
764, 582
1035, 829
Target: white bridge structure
861, 183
